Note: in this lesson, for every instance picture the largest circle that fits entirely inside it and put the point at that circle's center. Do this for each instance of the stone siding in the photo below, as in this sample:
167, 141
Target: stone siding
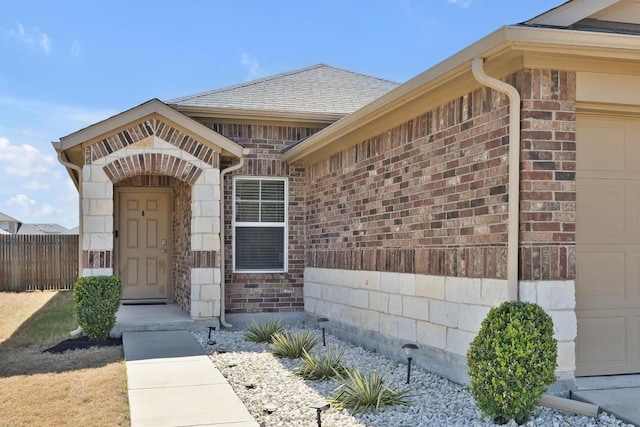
441, 314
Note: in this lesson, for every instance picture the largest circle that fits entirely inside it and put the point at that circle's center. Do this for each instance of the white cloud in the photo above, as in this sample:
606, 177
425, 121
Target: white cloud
30, 208
32, 37
45, 42
59, 117
462, 3
254, 70
23, 160
36, 185
76, 49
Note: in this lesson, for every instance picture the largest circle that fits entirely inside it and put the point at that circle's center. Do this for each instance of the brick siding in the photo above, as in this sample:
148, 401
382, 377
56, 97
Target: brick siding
548, 187
272, 292
431, 196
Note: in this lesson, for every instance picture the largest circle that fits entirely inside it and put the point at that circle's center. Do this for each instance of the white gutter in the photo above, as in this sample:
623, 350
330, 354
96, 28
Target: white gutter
235, 167
79, 170
572, 43
514, 171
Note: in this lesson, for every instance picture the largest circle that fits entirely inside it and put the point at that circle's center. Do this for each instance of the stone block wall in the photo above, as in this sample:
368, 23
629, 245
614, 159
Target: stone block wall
266, 292
441, 314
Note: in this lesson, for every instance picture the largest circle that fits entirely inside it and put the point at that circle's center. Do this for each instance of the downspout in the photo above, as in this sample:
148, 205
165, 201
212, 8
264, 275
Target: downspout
235, 167
514, 172
78, 169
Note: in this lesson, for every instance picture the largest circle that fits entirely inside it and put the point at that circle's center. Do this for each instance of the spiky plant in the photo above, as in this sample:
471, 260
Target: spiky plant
262, 332
292, 346
318, 368
360, 392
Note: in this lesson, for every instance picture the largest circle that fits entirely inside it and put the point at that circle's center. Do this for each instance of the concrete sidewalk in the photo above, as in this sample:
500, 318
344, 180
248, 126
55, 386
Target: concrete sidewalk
171, 382
616, 394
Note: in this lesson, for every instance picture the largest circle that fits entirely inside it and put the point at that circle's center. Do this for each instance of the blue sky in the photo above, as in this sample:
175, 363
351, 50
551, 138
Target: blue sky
68, 64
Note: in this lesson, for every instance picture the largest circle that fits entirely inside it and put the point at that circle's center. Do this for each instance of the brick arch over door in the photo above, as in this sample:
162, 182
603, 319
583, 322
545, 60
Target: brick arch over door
152, 164
148, 128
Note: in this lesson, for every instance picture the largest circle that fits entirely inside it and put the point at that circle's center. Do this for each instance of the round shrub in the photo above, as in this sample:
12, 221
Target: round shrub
97, 299
512, 361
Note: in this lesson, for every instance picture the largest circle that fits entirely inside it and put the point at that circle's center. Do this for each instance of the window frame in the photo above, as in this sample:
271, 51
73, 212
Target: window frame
285, 224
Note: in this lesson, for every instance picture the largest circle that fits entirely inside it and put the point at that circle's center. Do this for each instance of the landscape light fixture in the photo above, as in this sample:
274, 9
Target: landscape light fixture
209, 340
408, 350
321, 321
319, 407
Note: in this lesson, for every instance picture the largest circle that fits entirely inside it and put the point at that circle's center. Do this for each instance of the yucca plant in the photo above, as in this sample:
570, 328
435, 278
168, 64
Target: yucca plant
360, 392
318, 368
262, 332
292, 346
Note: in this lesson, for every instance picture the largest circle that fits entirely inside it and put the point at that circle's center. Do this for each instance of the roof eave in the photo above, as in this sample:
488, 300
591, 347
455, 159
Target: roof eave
504, 39
153, 106
242, 114
570, 12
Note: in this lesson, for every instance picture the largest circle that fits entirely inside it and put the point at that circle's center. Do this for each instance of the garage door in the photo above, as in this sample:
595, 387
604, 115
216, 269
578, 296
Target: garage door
608, 246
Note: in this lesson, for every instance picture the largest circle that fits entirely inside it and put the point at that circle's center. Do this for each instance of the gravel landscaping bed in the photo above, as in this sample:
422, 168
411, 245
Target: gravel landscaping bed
262, 380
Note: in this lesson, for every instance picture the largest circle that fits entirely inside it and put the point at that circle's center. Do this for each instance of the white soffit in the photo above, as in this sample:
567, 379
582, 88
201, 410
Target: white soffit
571, 12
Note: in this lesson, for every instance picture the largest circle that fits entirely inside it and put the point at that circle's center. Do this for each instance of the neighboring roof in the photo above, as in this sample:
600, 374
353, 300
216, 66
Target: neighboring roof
319, 89
74, 230
42, 229
453, 76
4, 217
3, 232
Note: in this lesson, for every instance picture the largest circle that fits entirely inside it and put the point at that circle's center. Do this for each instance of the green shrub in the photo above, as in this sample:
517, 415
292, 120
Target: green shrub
322, 367
360, 392
262, 332
292, 346
97, 299
512, 361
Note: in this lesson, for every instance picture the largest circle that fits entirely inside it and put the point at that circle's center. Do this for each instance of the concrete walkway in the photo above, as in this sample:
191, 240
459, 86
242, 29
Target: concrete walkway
616, 394
172, 382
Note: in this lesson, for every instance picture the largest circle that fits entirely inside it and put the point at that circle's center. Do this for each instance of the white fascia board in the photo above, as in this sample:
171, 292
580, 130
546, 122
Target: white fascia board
239, 114
571, 12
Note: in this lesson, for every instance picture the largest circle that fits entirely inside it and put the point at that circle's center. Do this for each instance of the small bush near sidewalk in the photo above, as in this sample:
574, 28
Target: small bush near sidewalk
97, 299
512, 361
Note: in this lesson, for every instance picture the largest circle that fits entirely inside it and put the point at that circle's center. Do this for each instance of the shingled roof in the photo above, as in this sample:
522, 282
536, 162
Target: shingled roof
318, 89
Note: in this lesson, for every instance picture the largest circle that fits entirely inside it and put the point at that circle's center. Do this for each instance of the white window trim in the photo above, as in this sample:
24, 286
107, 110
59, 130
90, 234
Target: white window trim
261, 224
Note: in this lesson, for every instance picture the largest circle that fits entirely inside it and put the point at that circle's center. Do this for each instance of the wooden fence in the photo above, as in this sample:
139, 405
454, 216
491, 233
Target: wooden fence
38, 262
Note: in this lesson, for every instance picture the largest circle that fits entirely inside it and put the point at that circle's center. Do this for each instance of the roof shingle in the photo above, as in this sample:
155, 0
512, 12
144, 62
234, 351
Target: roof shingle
316, 89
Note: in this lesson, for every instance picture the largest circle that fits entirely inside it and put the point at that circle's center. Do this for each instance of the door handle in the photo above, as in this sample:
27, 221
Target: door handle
164, 251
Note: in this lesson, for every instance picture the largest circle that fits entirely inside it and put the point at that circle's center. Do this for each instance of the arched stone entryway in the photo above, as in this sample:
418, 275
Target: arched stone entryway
161, 147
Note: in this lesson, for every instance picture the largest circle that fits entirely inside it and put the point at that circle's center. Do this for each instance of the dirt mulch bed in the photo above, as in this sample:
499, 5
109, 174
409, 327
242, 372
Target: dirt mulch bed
82, 343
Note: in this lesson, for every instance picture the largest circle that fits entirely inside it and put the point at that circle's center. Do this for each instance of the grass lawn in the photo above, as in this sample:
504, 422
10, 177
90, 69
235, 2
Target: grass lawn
79, 387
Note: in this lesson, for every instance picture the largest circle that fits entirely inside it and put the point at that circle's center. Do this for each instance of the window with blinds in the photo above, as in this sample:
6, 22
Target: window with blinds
260, 224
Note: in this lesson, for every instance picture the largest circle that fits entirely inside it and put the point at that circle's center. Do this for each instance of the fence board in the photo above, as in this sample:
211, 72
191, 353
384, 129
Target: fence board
38, 262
